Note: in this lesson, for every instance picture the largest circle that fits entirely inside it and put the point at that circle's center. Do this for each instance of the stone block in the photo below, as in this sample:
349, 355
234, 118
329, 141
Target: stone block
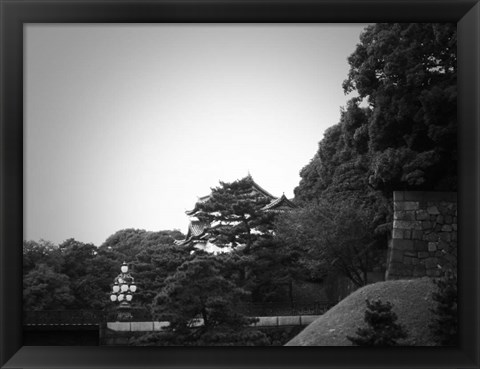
289, 320
423, 255
406, 205
406, 270
432, 246
420, 245
453, 236
431, 263
410, 253
432, 237
395, 267
440, 219
405, 245
407, 224
141, 326
426, 224
413, 195
417, 235
433, 210
442, 245
404, 215
407, 260
454, 227
398, 196
419, 271
451, 259
407, 234
439, 254
397, 233
396, 255
433, 273
422, 215
446, 236
446, 228
448, 219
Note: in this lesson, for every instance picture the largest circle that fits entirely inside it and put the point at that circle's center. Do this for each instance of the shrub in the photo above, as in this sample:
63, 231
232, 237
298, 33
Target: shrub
444, 326
382, 329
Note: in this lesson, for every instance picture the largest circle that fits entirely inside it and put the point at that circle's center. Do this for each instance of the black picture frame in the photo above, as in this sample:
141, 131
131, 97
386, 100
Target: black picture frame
15, 13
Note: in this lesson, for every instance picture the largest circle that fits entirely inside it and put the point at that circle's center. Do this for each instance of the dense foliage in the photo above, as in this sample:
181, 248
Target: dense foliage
445, 323
233, 214
382, 327
203, 307
336, 238
76, 275
400, 131
397, 133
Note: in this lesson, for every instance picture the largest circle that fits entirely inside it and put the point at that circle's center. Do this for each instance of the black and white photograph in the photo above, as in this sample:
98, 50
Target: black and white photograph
190, 184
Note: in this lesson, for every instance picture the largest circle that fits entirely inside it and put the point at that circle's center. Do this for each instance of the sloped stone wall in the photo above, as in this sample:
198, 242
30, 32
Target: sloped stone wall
424, 235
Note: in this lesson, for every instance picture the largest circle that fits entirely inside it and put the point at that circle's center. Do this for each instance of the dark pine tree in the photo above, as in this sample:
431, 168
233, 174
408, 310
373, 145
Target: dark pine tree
445, 323
382, 329
234, 216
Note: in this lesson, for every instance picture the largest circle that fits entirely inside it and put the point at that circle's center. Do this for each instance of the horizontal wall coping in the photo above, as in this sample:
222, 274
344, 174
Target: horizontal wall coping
263, 321
424, 196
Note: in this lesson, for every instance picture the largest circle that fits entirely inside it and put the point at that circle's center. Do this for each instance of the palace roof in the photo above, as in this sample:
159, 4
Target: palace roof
196, 230
279, 205
256, 188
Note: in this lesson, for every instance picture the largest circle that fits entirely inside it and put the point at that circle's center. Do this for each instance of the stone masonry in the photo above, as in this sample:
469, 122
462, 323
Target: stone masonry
424, 235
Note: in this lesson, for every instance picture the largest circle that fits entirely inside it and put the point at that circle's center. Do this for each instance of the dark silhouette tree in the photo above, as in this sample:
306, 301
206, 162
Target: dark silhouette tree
444, 326
233, 215
333, 238
407, 73
45, 289
202, 307
382, 327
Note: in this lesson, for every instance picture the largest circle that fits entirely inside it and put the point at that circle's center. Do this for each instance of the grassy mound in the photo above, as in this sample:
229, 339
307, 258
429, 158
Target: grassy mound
411, 301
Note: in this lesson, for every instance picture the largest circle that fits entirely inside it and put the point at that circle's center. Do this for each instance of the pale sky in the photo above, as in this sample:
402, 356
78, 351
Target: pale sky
126, 125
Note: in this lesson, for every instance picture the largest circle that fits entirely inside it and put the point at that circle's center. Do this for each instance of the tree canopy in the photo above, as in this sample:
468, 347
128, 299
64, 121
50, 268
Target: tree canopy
202, 306
336, 238
399, 133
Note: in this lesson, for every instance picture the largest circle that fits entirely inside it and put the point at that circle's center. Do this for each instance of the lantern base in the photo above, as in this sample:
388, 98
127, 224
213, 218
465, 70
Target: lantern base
124, 313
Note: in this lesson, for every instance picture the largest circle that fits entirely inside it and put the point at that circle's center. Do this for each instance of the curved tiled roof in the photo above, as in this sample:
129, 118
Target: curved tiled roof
255, 188
259, 189
196, 229
280, 204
